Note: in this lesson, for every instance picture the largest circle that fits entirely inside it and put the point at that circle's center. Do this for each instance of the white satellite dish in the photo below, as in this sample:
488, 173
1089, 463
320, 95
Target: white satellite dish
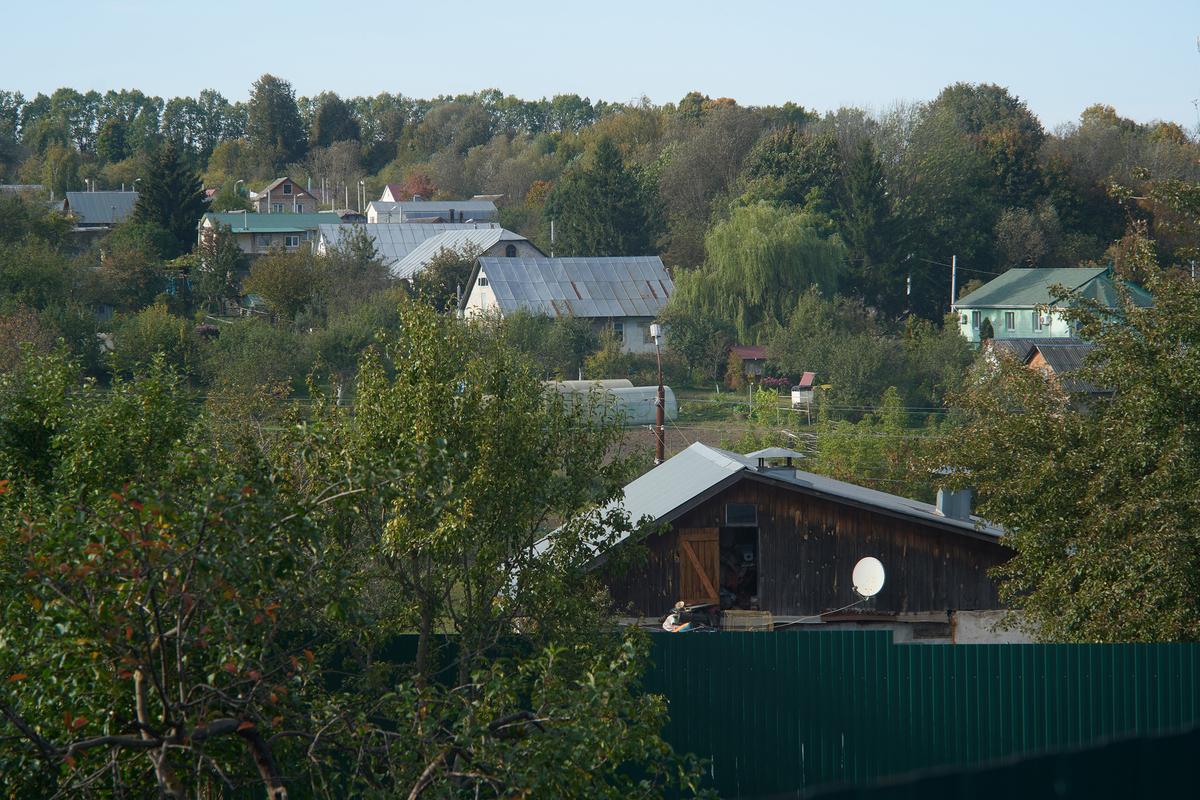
868, 577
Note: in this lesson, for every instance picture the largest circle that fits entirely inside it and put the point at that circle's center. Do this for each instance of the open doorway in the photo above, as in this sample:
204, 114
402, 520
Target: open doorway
739, 557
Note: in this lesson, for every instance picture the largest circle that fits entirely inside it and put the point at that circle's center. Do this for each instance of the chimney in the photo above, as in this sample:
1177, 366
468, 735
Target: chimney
954, 503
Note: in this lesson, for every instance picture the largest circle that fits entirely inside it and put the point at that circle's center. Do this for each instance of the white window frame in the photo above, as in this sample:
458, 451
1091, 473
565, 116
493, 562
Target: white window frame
1037, 320
299, 208
975, 320
276, 208
618, 330
483, 281
1010, 320
291, 241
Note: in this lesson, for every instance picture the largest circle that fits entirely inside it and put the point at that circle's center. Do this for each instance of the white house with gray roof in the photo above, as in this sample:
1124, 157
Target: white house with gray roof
426, 211
621, 294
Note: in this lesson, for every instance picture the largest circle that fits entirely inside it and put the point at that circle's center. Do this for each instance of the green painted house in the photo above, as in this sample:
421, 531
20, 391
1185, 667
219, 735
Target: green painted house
261, 233
1020, 305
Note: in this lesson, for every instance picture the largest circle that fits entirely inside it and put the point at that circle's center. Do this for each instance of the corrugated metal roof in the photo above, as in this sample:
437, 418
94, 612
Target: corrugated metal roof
101, 208
1027, 288
271, 223
478, 239
1064, 356
626, 286
395, 240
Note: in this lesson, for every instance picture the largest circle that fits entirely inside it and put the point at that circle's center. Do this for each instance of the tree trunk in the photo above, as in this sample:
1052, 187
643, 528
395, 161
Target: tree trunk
424, 632
168, 781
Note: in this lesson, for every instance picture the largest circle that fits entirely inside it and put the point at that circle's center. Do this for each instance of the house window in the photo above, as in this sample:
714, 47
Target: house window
962, 320
618, 329
276, 208
1010, 320
287, 188
299, 208
510, 251
264, 240
483, 281
291, 240
646, 337
741, 515
975, 320
1037, 320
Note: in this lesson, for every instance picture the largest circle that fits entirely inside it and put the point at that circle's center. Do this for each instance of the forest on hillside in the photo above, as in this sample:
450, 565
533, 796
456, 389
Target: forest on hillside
866, 200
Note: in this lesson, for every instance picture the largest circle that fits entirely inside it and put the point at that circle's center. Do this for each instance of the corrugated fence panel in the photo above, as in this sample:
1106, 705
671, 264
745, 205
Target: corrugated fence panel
783, 712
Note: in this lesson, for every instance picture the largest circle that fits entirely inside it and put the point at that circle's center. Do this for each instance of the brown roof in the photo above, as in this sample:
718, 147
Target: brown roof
275, 184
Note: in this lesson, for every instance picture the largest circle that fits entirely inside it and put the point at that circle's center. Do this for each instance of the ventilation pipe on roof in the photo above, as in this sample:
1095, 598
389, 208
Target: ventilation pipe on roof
954, 503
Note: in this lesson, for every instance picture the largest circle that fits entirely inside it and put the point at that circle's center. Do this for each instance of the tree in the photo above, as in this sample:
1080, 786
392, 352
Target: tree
172, 198
600, 208
287, 281
868, 225
445, 276
792, 167
759, 262
334, 122
215, 278
273, 125
1098, 493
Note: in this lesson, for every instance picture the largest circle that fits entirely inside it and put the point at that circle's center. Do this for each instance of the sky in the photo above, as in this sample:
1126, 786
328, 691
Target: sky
1057, 56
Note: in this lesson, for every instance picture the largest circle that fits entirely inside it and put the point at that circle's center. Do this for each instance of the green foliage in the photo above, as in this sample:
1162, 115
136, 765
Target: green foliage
273, 126
25, 217
760, 261
286, 281
700, 341
868, 226
600, 208
791, 167
334, 122
228, 198
220, 260
558, 345
150, 335
1098, 493
445, 277
171, 198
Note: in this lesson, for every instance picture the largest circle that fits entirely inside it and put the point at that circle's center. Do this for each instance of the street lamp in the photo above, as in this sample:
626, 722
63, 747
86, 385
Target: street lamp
135, 183
660, 400
235, 185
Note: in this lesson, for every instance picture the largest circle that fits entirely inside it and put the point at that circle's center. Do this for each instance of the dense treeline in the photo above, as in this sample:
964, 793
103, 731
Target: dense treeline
862, 202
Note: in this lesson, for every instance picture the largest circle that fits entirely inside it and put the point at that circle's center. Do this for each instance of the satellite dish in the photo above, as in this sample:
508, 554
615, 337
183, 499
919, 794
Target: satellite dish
868, 577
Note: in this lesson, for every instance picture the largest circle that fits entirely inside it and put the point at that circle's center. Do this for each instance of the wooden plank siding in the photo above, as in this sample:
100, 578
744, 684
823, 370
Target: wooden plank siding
808, 547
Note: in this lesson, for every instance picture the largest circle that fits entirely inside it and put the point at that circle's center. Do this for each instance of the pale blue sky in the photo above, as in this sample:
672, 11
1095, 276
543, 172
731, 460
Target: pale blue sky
1060, 57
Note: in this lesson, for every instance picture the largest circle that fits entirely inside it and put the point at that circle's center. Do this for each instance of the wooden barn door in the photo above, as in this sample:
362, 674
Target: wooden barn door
699, 565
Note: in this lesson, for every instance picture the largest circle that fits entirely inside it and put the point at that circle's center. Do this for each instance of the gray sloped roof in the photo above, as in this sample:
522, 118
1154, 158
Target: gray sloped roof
693, 475
101, 208
625, 286
477, 239
395, 240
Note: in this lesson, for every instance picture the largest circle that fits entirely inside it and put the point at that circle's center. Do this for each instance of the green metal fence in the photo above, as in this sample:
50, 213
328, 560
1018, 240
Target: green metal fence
784, 712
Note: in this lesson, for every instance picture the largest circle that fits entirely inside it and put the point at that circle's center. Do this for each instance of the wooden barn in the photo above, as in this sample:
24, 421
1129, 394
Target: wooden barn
750, 533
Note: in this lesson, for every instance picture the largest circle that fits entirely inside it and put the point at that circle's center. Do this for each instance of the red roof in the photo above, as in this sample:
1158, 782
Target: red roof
750, 352
396, 190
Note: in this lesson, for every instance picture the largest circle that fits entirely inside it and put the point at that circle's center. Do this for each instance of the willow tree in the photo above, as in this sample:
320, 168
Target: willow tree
758, 263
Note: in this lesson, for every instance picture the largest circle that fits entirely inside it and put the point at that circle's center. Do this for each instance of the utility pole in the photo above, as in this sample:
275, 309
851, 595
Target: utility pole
660, 444
953, 281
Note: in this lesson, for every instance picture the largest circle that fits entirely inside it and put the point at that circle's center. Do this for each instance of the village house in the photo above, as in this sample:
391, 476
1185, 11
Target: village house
285, 196
261, 233
1020, 304
99, 210
417, 210
621, 295
482, 242
751, 534
393, 240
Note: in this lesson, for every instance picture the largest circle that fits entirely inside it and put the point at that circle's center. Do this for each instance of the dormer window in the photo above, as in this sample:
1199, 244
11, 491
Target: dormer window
510, 251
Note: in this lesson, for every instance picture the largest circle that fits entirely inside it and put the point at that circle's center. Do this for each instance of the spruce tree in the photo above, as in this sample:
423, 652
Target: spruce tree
600, 208
171, 198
